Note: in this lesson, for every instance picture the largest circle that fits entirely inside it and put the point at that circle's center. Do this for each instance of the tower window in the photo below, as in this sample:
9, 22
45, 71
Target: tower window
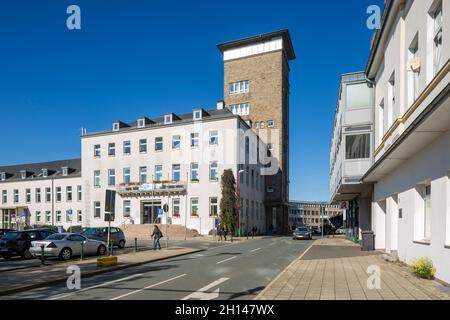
239, 87
242, 109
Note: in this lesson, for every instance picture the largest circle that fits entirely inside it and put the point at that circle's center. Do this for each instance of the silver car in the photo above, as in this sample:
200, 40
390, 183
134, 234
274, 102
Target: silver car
67, 245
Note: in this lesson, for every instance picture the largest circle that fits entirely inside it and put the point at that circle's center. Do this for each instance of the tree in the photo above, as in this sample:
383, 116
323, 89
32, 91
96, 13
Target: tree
228, 210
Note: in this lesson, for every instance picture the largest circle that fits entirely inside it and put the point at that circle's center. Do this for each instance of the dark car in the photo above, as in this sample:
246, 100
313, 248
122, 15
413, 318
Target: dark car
302, 233
101, 234
18, 243
3, 231
315, 230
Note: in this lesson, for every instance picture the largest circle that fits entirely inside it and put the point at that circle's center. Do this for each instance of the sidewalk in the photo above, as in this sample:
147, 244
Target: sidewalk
335, 269
36, 277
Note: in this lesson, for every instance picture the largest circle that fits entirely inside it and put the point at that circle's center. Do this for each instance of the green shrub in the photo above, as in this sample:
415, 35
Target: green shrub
74, 229
423, 268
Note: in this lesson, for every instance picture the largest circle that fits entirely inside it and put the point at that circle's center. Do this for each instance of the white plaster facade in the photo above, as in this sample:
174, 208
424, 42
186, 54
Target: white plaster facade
411, 200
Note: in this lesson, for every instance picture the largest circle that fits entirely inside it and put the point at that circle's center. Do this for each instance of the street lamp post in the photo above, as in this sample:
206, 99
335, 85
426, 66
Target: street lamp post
238, 206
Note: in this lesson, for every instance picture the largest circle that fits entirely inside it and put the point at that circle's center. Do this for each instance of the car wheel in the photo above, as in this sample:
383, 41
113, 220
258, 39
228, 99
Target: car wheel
121, 244
66, 254
101, 250
27, 254
6, 256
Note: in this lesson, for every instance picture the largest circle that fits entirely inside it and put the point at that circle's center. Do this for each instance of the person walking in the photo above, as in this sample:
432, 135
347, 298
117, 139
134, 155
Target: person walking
220, 233
156, 235
224, 231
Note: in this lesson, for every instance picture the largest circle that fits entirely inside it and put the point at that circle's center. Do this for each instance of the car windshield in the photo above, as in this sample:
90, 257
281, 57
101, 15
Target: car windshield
90, 231
56, 236
10, 236
302, 230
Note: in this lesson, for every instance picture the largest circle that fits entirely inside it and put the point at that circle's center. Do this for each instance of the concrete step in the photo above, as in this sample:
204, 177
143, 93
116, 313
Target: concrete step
143, 231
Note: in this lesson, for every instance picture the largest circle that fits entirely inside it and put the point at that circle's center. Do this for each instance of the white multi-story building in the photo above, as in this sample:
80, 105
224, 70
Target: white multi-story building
41, 194
351, 151
176, 160
409, 64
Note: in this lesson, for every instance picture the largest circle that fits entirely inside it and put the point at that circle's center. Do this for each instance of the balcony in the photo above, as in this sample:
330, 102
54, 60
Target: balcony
156, 189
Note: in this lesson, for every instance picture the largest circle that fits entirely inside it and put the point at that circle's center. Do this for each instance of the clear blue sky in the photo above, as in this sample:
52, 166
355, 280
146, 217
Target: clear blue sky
135, 58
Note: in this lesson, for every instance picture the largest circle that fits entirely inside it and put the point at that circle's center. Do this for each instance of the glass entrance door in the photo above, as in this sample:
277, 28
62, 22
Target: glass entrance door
149, 212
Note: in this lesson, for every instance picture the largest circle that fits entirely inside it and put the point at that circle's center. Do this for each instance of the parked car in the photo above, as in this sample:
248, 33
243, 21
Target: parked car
67, 245
18, 243
302, 233
316, 230
101, 234
3, 231
340, 230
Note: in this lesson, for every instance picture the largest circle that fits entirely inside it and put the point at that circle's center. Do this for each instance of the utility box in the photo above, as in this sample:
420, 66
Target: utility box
368, 241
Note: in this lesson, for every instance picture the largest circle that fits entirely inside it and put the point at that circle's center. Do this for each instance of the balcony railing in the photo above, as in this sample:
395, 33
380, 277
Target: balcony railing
153, 189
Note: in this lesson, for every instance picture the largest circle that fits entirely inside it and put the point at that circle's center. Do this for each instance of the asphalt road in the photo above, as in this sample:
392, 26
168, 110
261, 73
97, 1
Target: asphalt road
230, 272
18, 263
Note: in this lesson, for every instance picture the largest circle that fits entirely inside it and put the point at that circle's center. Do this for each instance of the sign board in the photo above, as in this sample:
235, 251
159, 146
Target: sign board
160, 212
110, 201
344, 205
109, 217
344, 215
166, 208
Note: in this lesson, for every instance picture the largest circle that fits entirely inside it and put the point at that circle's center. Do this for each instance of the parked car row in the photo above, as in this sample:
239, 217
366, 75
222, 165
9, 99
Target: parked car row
30, 243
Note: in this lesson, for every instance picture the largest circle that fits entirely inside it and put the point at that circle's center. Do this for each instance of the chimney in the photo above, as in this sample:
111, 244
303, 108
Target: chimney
220, 105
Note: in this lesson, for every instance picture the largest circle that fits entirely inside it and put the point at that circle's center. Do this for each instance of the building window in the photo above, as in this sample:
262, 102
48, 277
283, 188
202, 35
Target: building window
80, 216
392, 101
28, 195
176, 172
44, 173
159, 144
48, 195
270, 124
97, 151
141, 123
126, 208
79, 193
256, 125
69, 217
176, 208
168, 119
4, 196
69, 193
239, 87
38, 216
270, 189
197, 115
427, 212
97, 179
58, 216
213, 137
381, 126
176, 142
97, 209
213, 207
413, 71
143, 175
437, 39
2, 176
116, 126
158, 173
194, 172
357, 146
358, 95
65, 171
127, 147
48, 217
194, 140
58, 194
241, 109
262, 125
111, 177
111, 149
143, 146
194, 207
127, 175
213, 171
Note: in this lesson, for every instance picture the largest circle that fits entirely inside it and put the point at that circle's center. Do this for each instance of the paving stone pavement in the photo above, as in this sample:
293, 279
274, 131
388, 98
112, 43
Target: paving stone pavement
341, 274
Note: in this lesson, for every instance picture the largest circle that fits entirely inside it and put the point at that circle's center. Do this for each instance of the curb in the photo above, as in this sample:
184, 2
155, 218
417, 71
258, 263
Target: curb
92, 274
260, 295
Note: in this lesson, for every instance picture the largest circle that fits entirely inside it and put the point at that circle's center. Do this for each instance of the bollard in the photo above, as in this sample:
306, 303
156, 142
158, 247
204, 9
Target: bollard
82, 251
135, 245
42, 255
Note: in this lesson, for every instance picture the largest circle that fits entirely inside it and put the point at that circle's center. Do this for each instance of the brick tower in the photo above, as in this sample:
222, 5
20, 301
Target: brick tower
256, 86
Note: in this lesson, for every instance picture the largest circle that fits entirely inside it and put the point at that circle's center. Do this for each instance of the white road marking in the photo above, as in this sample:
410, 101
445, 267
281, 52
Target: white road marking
223, 261
149, 287
272, 244
254, 250
201, 294
61, 296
